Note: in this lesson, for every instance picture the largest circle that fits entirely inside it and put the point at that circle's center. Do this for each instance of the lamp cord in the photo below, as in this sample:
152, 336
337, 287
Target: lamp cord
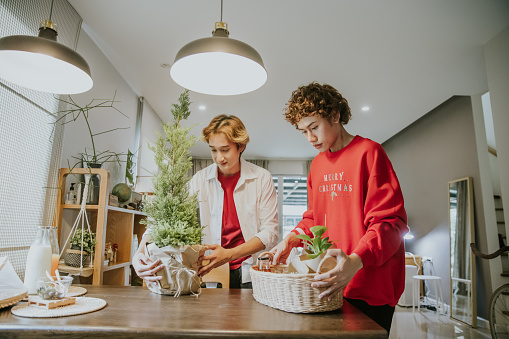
51, 10
221, 10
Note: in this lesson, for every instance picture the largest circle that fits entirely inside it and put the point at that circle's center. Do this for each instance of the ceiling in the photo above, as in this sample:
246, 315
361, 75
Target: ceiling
402, 58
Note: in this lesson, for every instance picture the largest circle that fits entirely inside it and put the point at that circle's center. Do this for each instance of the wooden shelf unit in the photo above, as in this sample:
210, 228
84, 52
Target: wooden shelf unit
110, 224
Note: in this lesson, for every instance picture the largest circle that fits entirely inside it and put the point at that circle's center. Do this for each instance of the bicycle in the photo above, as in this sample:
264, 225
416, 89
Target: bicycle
498, 312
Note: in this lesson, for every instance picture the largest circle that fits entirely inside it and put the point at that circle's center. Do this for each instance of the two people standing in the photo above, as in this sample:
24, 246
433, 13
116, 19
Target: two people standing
351, 183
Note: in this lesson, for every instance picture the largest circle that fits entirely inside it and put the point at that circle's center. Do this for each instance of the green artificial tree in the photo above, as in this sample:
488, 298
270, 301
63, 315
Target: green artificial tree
172, 214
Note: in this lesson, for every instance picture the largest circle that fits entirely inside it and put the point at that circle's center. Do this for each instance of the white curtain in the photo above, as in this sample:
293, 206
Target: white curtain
199, 164
308, 167
261, 163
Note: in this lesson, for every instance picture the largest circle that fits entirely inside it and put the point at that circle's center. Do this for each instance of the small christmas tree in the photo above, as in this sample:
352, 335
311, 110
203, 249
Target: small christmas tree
172, 214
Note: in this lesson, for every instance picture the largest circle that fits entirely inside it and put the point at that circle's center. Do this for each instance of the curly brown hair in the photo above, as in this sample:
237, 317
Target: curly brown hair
317, 100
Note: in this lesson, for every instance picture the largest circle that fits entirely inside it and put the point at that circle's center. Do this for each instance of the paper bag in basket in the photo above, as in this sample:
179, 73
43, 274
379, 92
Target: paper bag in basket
180, 272
303, 264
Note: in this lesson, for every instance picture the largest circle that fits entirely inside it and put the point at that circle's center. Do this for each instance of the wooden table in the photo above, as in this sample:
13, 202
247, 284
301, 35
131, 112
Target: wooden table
134, 312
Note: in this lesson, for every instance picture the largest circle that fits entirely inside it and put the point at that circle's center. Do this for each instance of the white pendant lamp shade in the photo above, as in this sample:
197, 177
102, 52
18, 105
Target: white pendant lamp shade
43, 64
219, 65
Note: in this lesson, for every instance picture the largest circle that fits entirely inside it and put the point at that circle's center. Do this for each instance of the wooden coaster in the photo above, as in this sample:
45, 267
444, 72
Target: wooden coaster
35, 300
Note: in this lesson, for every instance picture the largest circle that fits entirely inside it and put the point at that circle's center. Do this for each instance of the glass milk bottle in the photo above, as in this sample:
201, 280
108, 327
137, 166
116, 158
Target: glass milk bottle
39, 258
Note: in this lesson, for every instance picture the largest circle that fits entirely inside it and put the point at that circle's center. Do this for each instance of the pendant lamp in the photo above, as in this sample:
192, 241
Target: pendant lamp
219, 65
43, 64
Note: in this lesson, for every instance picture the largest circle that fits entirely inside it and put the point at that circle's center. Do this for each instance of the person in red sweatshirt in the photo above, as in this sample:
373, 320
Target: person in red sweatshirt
354, 191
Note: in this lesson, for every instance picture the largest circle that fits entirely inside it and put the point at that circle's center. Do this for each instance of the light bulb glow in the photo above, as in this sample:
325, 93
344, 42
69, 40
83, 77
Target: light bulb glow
218, 73
408, 236
43, 73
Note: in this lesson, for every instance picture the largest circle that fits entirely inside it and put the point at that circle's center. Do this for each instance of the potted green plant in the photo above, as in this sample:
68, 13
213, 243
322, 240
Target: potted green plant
173, 224
311, 257
82, 248
91, 157
83, 241
317, 246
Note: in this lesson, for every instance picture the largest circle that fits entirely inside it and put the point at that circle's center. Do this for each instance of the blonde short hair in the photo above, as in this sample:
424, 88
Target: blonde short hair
231, 126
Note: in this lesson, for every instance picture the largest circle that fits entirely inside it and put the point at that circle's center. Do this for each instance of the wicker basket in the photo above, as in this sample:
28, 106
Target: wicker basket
291, 292
72, 258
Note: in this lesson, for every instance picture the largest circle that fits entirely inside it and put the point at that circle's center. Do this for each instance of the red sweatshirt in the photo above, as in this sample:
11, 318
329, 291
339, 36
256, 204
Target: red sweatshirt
357, 194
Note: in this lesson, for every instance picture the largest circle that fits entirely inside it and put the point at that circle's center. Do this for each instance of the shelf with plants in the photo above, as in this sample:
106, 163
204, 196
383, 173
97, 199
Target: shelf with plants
77, 207
109, 224
110, 208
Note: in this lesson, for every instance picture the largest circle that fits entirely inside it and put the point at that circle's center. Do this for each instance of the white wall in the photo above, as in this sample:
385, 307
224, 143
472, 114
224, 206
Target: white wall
106, 81
151, 123
437, 148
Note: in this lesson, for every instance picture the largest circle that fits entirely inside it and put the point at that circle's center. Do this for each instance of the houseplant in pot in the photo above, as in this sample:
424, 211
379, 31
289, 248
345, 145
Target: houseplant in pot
172, 221
91, 157
88, 185
311, 257
82, 248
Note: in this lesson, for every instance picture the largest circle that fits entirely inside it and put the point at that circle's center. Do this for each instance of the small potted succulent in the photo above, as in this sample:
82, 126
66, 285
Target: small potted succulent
311, 257
82, 248
317, 246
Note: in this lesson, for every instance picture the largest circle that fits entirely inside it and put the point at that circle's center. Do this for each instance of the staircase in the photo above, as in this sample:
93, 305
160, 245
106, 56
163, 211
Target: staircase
502, 237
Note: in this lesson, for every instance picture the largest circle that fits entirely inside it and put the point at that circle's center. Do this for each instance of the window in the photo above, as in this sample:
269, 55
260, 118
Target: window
292, 201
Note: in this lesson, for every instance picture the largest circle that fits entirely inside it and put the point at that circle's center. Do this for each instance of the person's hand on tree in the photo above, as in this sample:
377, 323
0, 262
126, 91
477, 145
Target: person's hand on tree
145, 268
218, 257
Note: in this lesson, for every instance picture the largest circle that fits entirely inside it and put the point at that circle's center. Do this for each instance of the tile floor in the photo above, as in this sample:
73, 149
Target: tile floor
424, 325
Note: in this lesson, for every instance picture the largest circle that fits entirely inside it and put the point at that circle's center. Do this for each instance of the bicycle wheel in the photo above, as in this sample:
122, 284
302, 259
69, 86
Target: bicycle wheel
499, 312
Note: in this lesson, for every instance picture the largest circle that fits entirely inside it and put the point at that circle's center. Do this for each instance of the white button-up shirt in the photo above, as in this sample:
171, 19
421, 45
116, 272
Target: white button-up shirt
255, 201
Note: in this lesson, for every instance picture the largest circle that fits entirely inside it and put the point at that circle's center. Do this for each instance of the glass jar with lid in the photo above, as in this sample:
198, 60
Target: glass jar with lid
264, 264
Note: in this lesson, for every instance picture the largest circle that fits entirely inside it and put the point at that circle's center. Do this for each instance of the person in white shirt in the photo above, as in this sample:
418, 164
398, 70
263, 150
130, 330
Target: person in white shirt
237, 202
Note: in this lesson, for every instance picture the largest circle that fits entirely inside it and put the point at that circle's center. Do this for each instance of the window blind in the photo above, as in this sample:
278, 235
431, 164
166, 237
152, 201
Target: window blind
29, 147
